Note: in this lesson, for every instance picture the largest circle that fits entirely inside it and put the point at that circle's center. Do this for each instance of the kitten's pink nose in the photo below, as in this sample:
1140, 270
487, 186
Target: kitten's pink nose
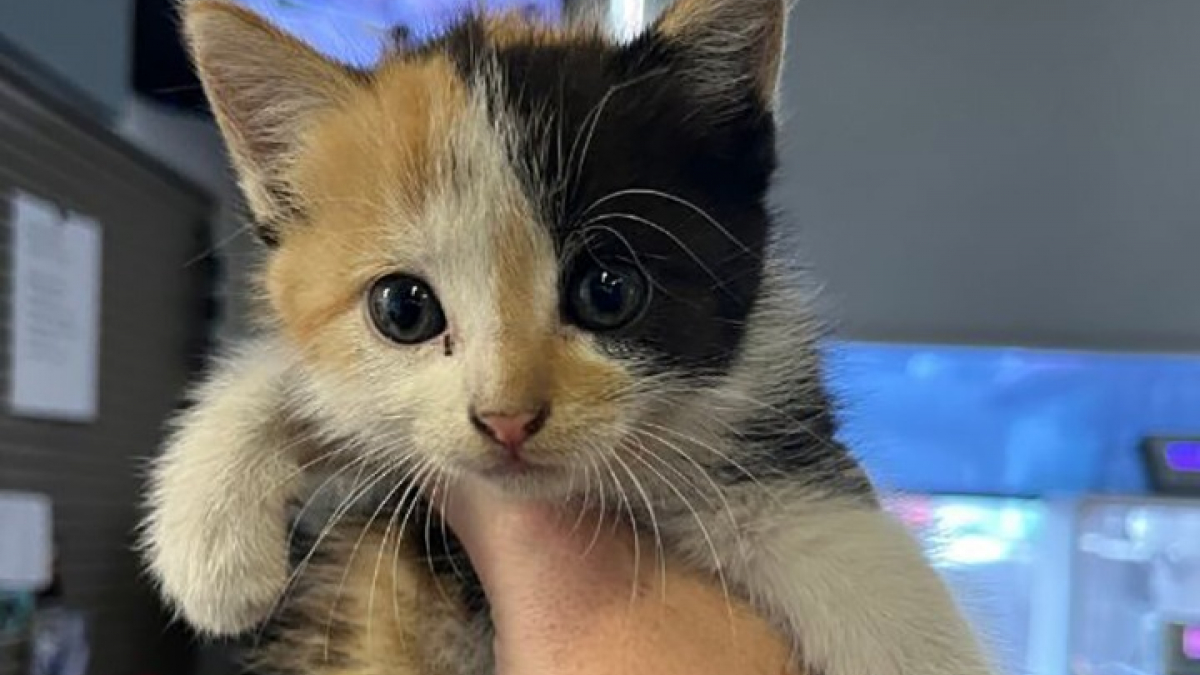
510, 430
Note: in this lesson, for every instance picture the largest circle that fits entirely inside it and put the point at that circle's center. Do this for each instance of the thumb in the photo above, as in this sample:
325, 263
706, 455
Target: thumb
534, 557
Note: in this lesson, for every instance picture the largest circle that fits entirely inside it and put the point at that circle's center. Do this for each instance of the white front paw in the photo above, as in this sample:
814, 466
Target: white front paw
216, 533
223, 579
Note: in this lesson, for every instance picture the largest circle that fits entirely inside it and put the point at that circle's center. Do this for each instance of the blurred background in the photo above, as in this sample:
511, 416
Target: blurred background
1003, 197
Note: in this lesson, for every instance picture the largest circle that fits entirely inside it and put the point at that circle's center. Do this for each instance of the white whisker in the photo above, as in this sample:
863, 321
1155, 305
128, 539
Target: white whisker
377, 477
406, 482
628, 503
634, 218
718, 564
648, 192
660, 552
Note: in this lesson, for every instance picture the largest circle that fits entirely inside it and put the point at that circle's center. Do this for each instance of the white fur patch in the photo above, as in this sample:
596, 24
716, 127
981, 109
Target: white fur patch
215, 533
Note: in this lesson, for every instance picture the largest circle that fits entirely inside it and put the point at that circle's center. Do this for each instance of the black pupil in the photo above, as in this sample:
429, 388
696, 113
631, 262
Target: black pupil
406, 311
407, 303
607, 292
607, 298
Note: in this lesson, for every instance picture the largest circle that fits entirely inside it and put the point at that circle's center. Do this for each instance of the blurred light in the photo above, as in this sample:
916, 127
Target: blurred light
354, 33
1191, 642
1113, 549
1137, 524
924, 365
628, 18
358, 32
975, 549
958, 515
1014, 523
1184, 456
915, 511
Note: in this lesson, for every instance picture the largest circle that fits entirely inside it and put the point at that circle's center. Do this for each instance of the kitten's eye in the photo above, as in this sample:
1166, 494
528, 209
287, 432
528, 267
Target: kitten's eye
606, 298
405, 309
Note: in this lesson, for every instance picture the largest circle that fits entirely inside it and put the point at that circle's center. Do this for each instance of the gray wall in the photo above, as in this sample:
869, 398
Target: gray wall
88, 45
1000, 171
152, 286
88, 42
192, 145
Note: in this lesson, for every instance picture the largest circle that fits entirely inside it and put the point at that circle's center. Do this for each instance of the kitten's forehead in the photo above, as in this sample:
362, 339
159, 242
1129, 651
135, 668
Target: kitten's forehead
613, 146
433, 168
488, 160
416, 175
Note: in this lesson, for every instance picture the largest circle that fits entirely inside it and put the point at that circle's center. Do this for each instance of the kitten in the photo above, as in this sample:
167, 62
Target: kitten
544, 258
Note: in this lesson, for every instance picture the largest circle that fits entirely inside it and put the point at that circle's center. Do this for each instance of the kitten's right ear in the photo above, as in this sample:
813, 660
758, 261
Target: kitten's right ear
265, 88
731, 47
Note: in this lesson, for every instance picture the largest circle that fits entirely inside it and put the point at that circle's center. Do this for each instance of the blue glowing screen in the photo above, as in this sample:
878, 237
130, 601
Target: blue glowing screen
1183, 456
1009, 420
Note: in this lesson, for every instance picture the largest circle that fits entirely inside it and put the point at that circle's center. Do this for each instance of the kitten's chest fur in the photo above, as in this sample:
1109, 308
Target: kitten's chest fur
443, 622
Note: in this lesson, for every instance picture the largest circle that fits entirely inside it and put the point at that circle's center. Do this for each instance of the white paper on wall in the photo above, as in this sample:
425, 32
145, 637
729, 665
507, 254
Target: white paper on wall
26, 541
55, 304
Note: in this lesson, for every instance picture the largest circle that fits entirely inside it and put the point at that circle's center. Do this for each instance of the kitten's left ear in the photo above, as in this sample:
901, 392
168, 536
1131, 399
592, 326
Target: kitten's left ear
731, 46
266, 89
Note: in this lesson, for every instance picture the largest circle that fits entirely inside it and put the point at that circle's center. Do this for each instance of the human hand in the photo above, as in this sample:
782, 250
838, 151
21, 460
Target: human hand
567, 597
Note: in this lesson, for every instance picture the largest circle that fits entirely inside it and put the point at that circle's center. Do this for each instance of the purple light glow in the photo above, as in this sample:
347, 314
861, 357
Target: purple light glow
1184, 457
1191, 642
357, 32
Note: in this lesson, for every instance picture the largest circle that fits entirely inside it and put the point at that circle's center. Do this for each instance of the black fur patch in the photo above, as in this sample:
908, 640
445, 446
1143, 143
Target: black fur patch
628, 163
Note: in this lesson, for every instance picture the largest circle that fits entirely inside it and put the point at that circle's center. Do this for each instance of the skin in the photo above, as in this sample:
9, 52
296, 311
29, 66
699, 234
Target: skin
563, 598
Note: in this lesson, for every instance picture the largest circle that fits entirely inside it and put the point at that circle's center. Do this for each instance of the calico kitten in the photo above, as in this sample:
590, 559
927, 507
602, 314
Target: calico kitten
545, 258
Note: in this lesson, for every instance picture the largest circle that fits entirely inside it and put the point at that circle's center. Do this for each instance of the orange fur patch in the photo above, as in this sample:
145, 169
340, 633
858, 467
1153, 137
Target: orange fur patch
363, 175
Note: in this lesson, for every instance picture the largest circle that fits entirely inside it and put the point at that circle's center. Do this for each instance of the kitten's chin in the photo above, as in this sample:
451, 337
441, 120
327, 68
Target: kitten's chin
527, 480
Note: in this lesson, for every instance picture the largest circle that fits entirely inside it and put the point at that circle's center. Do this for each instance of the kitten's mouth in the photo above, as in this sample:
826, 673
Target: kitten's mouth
517, 469
521, 474
510, 465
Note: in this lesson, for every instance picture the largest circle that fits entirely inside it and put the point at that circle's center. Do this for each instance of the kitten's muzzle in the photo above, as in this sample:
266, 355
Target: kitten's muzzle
510, 430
